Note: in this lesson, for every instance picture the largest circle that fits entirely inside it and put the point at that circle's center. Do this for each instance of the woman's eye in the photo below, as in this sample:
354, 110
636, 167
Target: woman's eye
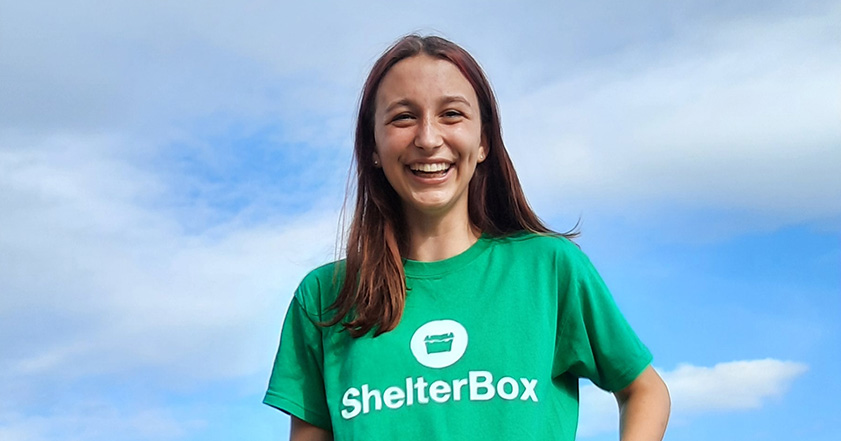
402, 117
452, 114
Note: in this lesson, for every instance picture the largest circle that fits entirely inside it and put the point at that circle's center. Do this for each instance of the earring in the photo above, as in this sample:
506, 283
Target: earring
376, 163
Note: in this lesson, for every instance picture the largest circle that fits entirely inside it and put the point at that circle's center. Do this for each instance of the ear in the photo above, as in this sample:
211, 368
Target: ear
376, 159
483, 151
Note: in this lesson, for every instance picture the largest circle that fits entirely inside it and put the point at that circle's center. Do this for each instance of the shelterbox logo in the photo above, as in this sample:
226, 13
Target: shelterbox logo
480, 387
438, 344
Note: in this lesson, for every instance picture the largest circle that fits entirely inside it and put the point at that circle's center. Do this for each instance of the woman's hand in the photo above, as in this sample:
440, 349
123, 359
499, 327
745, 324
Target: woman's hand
304, 431
644, 408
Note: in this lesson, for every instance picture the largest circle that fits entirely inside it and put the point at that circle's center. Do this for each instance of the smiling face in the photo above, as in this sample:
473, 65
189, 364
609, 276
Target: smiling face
428, 134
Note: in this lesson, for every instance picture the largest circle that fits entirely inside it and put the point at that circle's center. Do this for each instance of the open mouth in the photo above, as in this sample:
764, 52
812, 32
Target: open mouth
430, 170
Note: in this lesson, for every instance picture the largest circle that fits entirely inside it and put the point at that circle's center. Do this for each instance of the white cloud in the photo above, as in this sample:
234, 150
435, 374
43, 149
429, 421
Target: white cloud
97, 276
103, 292
700, 108
725, 387
737, 385
745, 116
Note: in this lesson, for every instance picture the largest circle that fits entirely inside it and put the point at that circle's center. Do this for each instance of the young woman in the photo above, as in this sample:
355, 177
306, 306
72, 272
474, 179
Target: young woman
457, 315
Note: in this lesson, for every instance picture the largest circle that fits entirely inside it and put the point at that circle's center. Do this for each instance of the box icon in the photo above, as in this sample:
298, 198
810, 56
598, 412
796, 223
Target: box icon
438, 343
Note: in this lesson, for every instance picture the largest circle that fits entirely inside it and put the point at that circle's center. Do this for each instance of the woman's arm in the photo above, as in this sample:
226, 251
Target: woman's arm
304, 431
644, 408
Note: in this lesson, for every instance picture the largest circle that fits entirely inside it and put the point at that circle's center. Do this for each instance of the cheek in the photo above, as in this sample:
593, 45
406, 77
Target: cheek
470, 135
388, 143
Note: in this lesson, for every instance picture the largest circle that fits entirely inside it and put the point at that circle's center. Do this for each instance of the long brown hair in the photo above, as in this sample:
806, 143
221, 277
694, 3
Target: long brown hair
374, 289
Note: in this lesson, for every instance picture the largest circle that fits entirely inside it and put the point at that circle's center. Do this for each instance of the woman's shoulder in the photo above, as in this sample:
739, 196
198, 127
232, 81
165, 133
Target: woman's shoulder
540, 248
319, 288
528, 241
325, 273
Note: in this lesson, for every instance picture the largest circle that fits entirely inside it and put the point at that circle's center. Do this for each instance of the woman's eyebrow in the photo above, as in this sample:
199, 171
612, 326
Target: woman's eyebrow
399, 103
447, 99
455, 98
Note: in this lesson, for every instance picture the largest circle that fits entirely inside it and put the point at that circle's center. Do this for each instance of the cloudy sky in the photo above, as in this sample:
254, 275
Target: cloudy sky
170, 170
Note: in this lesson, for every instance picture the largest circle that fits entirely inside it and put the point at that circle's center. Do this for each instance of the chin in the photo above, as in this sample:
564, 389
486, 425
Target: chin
434, 205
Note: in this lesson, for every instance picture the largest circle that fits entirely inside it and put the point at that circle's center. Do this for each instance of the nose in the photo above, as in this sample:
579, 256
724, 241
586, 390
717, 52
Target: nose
428, 135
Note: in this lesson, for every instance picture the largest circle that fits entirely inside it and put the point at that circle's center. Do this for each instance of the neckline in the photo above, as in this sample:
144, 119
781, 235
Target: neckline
418, 269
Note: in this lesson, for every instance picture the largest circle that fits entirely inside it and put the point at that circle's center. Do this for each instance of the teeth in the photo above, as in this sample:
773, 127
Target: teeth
430, 168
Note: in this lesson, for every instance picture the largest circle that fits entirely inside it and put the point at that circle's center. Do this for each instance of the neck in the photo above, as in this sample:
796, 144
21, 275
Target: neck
432, 239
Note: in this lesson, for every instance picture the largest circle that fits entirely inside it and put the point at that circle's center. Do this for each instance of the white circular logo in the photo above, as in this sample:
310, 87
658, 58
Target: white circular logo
439, 343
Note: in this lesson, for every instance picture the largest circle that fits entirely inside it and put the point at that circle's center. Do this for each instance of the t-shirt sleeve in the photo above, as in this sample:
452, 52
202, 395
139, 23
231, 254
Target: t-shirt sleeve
594, 339
296, 385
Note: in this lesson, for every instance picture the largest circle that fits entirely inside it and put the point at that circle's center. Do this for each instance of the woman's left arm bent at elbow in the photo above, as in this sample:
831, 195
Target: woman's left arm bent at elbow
644, 408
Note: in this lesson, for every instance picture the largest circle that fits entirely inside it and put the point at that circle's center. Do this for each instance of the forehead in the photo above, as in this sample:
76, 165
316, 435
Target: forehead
422, 78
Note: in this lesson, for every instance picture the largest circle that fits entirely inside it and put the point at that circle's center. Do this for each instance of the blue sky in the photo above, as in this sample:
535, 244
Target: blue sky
169, 171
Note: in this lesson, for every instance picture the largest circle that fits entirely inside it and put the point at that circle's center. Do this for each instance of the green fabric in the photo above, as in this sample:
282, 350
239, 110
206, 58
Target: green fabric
516, 321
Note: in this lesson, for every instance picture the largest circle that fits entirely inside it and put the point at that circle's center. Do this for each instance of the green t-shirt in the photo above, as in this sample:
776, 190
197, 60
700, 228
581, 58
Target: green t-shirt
490, 346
